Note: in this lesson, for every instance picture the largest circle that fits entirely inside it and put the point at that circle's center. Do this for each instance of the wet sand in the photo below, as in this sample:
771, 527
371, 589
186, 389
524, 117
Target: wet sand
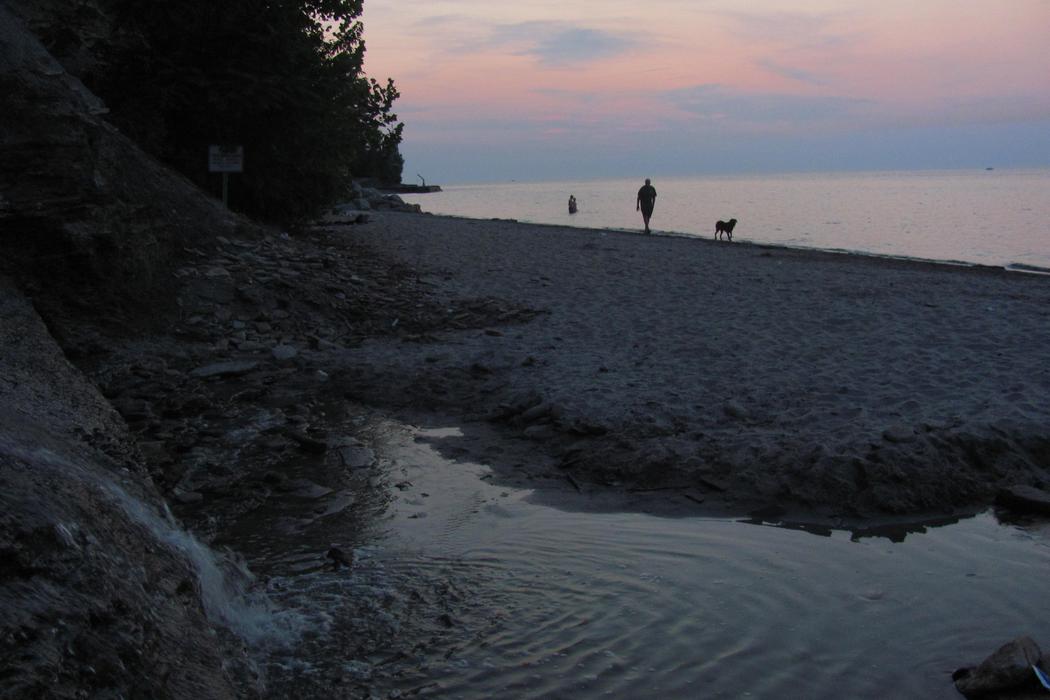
744, 375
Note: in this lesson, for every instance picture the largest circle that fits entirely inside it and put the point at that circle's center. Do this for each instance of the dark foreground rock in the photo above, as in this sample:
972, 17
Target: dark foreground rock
82, 209
99, 593
1007, 674
92, 602
1026, 499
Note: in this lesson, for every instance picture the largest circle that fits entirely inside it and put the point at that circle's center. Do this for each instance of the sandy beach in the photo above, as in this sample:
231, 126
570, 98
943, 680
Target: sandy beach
750, 376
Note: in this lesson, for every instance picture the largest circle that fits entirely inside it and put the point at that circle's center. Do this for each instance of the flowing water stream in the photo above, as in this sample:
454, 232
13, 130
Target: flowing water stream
465, 588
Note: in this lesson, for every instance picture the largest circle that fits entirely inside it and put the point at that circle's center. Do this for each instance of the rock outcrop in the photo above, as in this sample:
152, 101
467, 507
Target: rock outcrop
93, 600
101, 594
84, 214
1012, 672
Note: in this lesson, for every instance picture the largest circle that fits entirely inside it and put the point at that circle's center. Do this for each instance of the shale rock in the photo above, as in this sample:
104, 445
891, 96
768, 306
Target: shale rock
1006, 671
1025, 498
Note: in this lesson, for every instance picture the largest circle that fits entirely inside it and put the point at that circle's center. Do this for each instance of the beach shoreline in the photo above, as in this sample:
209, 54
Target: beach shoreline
972, 217
1006, 267
748, 376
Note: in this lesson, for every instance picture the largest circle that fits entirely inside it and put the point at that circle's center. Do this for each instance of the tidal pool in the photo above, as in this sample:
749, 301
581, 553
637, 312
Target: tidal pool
489, 591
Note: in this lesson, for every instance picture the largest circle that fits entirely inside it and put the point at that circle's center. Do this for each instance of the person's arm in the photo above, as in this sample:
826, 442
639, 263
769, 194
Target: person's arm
638, 201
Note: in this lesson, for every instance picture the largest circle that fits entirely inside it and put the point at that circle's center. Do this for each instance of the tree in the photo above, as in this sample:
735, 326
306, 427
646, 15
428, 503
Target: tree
282, 78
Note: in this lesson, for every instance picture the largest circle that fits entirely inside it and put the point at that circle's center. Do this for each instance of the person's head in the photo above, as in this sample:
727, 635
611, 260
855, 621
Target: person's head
648, 181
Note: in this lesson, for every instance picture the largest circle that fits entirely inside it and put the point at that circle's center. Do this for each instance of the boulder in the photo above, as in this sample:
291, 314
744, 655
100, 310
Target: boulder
1007, 670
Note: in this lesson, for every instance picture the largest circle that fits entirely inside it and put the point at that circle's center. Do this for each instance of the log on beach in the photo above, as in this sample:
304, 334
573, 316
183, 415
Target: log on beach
851, 383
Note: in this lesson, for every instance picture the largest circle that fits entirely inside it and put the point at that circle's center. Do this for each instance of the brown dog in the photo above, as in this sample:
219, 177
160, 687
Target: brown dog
725, 227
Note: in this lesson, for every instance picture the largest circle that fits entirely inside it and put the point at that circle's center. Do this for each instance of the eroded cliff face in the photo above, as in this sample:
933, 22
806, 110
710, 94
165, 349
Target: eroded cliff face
85, 215
74, 32
93, 600
97, 596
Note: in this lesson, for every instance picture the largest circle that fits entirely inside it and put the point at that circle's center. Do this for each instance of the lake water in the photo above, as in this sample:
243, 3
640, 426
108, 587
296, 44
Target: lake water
466, 588
988, 217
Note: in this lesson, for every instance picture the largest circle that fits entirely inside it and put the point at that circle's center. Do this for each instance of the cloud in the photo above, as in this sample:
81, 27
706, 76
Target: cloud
723, 105
550, 43
988, 110
798, 29
799, 75
451, 33
793, 39
557, 44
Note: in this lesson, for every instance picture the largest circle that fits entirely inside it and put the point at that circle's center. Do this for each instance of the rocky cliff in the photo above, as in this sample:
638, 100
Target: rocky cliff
96, 596
85, 216
100, 593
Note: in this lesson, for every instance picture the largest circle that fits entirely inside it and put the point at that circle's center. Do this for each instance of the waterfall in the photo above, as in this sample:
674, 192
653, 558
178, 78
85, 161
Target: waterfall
225, 585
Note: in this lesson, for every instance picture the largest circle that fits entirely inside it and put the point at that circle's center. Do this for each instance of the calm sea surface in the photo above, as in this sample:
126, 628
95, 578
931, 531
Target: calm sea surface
993, 217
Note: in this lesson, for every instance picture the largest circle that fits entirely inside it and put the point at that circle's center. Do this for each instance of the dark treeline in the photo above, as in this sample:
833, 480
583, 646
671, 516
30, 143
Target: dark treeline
283, 78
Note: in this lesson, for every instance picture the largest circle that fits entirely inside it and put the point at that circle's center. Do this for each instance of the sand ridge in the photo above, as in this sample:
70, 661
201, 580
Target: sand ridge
755, 373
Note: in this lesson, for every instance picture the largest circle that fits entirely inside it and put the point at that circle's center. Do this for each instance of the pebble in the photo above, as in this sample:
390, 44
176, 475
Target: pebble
538, 432
899, 433
734, 409
282, 353
307, 443
537, 412
356, 457
232, 368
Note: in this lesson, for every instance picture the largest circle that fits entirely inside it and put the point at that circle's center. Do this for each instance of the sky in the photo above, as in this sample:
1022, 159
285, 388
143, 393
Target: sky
497, 90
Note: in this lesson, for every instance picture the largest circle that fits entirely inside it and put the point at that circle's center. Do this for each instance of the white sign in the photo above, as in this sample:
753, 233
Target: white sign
225, 159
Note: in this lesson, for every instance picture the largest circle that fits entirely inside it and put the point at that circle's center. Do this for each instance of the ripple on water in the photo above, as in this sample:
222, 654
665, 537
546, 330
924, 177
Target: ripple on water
582, 604
492, 595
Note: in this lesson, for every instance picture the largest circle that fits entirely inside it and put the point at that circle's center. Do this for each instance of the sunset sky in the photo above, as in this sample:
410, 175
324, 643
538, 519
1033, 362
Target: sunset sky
537, 89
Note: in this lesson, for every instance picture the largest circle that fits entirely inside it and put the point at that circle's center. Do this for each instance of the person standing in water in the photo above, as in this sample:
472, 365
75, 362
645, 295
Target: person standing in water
646, 202
572, 204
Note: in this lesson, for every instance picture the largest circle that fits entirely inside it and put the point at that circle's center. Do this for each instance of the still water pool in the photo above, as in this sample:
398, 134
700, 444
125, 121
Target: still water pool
489, 591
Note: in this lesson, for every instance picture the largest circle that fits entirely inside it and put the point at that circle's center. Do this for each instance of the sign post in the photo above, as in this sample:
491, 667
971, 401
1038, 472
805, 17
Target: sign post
226, 160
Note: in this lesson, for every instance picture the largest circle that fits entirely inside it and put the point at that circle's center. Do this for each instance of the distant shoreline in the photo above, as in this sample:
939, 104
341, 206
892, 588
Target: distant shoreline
404, 188
973, 217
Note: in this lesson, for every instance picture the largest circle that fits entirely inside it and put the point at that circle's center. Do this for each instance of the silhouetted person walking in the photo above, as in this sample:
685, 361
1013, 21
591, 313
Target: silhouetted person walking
646, 202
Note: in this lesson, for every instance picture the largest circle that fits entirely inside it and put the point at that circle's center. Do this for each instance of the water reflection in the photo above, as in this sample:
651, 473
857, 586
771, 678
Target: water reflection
586, 601
454, 444
892, 531
473, 587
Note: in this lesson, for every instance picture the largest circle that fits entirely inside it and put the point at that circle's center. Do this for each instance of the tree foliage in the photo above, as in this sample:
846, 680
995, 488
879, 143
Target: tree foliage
283, 78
